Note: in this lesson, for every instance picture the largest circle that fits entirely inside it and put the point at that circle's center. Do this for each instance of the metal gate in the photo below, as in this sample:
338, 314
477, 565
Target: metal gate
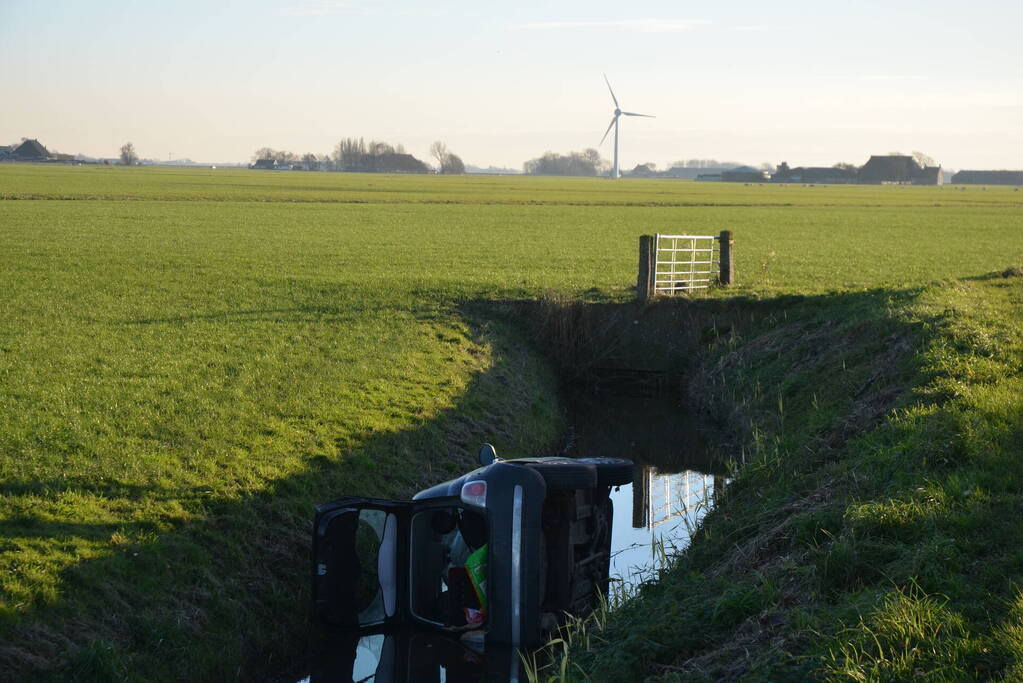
684, 263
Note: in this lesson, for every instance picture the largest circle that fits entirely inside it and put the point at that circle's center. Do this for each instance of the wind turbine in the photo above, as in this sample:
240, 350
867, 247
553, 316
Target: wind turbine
614, 124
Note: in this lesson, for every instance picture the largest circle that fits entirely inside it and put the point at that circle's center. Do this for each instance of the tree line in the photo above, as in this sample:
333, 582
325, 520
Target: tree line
585, 163
589, 163
359, 155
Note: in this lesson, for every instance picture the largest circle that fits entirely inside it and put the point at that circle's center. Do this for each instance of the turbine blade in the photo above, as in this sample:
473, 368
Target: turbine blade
612, 92
630, 113
614, 119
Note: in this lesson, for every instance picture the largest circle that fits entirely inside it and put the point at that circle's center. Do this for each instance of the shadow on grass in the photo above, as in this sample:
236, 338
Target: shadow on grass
225, 595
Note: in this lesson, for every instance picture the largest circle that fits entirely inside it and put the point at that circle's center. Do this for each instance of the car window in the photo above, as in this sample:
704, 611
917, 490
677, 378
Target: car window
387, 565
441, 588
369, 536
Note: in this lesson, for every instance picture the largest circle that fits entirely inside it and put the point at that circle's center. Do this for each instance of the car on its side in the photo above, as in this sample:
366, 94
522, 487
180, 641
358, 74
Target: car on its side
503, 552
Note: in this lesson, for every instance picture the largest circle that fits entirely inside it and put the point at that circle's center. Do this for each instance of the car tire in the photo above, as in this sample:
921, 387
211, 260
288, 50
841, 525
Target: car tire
566, 474
611, 471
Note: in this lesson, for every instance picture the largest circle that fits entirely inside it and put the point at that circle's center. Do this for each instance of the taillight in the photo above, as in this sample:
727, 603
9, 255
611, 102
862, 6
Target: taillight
475, 493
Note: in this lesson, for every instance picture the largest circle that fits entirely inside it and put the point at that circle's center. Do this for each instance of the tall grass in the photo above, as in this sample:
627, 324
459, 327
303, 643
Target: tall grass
872, 532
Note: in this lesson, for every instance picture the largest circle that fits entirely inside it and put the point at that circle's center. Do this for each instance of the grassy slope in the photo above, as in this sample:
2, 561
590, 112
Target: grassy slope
873, 531
183, 379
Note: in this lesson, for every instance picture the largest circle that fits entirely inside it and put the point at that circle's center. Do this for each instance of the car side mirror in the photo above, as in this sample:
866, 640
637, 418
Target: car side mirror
487, 455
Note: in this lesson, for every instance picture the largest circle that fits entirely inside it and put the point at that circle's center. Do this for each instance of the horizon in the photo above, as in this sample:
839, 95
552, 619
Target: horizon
794, 82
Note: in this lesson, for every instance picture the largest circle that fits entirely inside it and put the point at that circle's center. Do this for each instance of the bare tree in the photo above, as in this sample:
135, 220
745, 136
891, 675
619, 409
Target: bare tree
281, 156
439, 151
355, 154
592, 156
348, 153
263, 153
128, 155
923, 159
447, 162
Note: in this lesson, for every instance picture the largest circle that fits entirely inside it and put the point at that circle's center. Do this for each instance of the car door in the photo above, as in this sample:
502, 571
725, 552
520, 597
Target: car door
361, 559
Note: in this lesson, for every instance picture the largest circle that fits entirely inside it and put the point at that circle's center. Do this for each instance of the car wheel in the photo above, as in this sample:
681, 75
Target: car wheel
611, 471
566, 474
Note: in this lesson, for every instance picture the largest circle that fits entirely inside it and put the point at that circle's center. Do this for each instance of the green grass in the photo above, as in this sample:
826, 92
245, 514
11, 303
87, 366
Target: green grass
872, 531
25, 181
190, 359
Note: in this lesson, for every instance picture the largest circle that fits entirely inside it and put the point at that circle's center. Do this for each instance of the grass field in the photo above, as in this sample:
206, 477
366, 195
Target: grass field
190, 359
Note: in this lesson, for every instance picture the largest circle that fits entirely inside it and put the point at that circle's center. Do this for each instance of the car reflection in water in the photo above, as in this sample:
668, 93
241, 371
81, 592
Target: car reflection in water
411, 656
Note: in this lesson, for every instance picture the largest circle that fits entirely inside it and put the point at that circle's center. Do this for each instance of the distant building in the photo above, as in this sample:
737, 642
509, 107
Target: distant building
265, 164
988, 178
686, 173
884, 170
709, 177
930, 175
642, 171
5, 152
898, 170
744, 174
30, 150
390, 163
813, 174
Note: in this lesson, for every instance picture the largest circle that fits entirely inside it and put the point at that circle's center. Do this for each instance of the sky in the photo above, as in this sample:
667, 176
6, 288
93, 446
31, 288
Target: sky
810, 83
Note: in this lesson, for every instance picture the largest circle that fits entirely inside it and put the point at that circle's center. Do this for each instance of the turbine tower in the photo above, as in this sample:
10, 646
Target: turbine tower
614, 124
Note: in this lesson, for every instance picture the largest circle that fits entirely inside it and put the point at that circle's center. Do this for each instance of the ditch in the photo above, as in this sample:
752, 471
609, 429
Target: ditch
674, 487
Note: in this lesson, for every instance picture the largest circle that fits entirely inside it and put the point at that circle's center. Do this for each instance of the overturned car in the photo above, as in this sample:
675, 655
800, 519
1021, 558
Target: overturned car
501, 554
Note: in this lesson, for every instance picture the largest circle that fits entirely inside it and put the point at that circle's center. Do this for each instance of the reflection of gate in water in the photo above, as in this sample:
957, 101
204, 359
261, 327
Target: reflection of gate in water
658, 498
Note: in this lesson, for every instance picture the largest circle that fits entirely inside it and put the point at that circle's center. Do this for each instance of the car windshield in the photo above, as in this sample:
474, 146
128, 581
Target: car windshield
449, 566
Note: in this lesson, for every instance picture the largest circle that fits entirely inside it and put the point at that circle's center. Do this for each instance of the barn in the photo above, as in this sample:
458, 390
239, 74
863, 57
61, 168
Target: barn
30, 150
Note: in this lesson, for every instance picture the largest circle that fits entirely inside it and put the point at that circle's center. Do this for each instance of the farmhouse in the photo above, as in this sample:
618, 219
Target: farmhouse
265, 164
30, 150
988, 178
642, 171
744, 174
813, 174
898, 169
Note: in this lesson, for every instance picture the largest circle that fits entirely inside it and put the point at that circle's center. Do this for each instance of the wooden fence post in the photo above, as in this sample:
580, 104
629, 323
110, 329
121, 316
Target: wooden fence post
647, 268
725, 245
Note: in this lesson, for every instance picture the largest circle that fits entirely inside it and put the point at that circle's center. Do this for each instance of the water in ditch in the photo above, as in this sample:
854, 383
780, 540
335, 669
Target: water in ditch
674, 483
674, 487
